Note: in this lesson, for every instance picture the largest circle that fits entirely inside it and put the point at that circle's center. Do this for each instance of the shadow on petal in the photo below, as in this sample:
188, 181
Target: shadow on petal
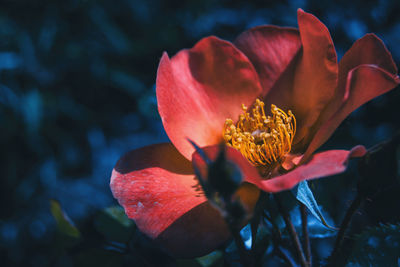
368, 50
158, 190
271, 49
364, 83
162, 156
196, 233
316, 73
199, 88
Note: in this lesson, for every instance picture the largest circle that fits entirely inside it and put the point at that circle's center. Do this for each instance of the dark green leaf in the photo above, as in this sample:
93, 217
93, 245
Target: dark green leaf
113, 223
99, 258
214, 259
64, 223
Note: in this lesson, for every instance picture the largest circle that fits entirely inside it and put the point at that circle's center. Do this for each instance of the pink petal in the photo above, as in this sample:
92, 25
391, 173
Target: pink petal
196, 233
158, 190
291, 161
201, 87
364, 83
321, 164
316, 74
366, 50
270, 49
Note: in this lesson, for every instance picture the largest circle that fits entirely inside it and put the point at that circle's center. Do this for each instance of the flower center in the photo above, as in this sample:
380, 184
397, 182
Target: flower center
263, 140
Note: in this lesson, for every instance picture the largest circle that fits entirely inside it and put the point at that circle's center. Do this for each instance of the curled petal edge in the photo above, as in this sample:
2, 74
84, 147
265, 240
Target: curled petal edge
368, 50
322, 164
364, 83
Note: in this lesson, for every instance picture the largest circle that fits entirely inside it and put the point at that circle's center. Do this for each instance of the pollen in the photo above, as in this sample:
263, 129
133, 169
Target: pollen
263, 140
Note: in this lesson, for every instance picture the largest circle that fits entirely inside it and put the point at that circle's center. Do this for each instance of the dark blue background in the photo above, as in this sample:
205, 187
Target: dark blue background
77, 91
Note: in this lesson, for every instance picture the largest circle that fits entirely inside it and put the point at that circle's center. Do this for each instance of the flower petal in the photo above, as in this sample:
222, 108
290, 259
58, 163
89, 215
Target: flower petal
270, 49
199, 88
196, 233
364, 83
316, 74
366, 50
321, 164
158, 190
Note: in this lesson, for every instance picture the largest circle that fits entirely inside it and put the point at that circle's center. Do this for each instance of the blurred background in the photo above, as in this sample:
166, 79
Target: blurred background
77, 91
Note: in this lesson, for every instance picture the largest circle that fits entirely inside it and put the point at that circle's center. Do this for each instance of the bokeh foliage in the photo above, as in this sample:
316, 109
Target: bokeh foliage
77, 91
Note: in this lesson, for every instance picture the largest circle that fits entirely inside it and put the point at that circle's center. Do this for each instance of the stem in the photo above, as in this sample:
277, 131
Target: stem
343, 227
255, 222
277, 239
274, 225
285, 256
307, 246
292, 232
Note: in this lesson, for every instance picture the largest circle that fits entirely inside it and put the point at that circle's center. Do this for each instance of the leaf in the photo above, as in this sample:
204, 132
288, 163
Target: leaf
98, 257
315, 228
263, 241
114, 225
64, 223
214, 259
304, 195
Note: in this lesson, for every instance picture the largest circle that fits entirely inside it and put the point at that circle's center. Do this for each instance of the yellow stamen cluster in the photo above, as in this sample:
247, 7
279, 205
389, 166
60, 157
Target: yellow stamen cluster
263, 140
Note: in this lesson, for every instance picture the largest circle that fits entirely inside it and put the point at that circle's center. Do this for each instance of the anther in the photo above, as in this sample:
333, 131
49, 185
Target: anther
263, 140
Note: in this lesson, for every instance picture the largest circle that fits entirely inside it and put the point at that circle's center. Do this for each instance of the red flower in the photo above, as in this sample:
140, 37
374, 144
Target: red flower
199, 88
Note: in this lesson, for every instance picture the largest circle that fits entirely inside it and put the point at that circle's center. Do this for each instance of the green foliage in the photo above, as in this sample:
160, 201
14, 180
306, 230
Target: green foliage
114, 225
214, 259
98, 257
68, 234
77, 90
378, 246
